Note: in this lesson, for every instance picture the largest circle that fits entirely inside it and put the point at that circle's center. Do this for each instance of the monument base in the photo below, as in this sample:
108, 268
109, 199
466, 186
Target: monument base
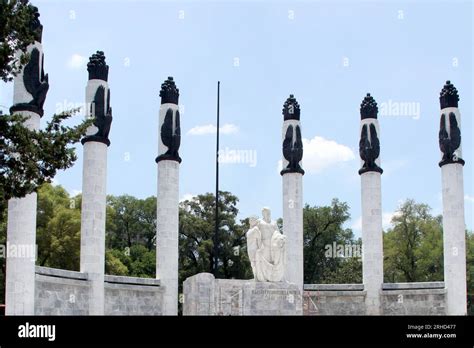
205, 295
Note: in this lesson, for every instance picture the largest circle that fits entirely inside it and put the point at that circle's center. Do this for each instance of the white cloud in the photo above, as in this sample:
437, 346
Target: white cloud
469, 198
357, 225
321, 153
386, 221
228, 128
76, 61
187, 197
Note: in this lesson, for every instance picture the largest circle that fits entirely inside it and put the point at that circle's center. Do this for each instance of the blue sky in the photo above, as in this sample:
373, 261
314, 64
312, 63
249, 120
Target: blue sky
328, 53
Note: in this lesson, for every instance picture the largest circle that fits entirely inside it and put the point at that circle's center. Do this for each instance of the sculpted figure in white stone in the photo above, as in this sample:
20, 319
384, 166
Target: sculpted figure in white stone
266, 247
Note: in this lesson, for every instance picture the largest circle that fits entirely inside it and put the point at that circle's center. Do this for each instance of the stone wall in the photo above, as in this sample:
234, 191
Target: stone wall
334, 299
133, 296
60, 292
413, 299
395, 299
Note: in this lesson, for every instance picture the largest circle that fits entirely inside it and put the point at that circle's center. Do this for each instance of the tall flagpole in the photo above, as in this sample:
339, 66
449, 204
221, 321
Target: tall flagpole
216, 238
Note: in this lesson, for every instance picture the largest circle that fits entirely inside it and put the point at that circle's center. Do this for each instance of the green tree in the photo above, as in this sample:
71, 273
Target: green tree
349, 270
136, 261
30, 158
322, 228
65, 238
3, 241
113, 264
16, 33
58, 228
413, 248
133, 222
470, 272
143, 262
196, 233
130, 236
147, 218
430, 251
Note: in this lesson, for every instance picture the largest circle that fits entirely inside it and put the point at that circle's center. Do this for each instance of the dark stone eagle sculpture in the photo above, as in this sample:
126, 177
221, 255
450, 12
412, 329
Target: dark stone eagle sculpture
171, 137
171, 128
449, 143
293, 150
369, 149
102, 113
369, 144
36, 84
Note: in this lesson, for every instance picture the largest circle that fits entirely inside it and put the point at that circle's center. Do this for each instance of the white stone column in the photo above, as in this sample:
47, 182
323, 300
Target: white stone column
454, 228
167, 226
292, 179
293, 227
93, 214
21, 235
372, 239
167, 233
21, 222
371, 195
94, 182
454, 239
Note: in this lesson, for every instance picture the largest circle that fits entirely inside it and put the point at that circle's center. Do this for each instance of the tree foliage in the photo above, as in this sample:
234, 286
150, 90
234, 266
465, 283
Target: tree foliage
3, 241
323, 227
196, 232
16, 34
137, 261
470, 272
29, 158
413, 248
133, 222
58, 228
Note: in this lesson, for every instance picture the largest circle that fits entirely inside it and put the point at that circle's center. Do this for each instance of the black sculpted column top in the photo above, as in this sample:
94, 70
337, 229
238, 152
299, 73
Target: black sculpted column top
170, 129
34, 79
449, 130
292, 142
100, 106
369, 144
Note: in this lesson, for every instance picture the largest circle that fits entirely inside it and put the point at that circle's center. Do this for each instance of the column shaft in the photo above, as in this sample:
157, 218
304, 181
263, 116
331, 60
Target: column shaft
372, 239
21, 240
454, 238
167, 233
93, 215
167, 215
21, 248
293, 227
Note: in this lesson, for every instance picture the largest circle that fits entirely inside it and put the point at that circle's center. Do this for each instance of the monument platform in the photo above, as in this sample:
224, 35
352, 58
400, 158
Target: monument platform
205, 295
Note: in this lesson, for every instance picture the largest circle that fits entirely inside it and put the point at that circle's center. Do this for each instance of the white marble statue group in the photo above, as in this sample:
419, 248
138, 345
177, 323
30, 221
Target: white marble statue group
266, 247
